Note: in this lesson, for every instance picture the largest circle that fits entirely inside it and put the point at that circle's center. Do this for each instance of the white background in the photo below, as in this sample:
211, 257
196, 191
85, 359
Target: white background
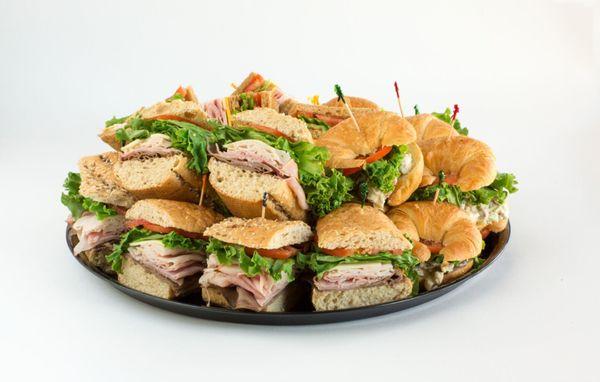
525, 74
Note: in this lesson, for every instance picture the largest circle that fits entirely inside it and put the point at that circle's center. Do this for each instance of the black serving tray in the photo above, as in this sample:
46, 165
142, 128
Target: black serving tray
304, 315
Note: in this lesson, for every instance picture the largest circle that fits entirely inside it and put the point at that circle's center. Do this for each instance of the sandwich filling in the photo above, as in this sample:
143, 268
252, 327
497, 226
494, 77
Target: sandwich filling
256, 156
154, 146
432, 272
257, 279
92, 232
215, 109
485, 214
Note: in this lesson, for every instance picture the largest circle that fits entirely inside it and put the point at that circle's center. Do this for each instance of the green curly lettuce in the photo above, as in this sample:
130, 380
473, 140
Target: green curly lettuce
78, 204
315, 123
169, 240
446, 116
229, 254
382, 174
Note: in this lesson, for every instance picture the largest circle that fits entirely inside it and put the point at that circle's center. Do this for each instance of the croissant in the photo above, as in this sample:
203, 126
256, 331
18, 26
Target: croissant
466, 162
440, 223
353, 102
349, 146
428, 127
495, 227
408, 183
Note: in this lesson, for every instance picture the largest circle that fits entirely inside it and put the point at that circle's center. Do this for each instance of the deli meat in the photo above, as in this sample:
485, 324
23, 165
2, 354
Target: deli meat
257, 156
350, 276
216, 110
154, 145
92, 232
255, 293
173, 263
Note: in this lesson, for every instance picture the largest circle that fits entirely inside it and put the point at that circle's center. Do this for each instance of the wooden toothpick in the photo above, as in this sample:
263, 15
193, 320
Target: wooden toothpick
398, 98
338, 91
203, 189
435, 197
264, 205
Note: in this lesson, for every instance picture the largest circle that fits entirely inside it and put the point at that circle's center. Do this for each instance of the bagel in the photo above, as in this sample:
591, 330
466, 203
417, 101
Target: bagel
470, 162
353, 102
349, 146
428, 126
441, 223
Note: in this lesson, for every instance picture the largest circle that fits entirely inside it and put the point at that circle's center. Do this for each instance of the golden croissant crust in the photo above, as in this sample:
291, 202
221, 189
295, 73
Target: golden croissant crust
353, 102
409, 182
441, 223
349, 146
466, 162
428, 127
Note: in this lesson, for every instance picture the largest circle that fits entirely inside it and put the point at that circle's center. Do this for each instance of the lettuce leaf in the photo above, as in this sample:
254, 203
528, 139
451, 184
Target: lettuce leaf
251, 265
264, 86
78, 204
246, 103
504, 185
315, 122
114, 121
382, 174
327, 192
321, 263
446, 116
169, 240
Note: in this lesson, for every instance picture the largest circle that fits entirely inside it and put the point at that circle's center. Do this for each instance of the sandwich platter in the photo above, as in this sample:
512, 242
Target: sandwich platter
258, 208
194, 306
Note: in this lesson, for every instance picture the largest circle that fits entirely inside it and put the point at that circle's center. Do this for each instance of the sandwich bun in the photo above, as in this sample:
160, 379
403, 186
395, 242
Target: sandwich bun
98, 181
428, 127
259, 118
353, 102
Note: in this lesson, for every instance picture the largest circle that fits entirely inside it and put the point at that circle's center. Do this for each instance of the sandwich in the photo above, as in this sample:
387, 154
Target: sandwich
381, 156
446, 241
97, 205
182, 106
255, 83
353, 102
462, 171
360, 259
163, 252
252, 263
274, 123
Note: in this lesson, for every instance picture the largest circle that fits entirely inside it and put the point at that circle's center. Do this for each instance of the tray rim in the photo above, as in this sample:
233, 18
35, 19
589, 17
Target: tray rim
301, 317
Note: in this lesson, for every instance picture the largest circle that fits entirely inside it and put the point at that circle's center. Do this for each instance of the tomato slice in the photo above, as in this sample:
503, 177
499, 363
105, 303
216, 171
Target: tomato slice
331, 121
181, 91
271, 131
257, 80
160, 229
166, 117
377, 155
485, 232
338, 252
279, 253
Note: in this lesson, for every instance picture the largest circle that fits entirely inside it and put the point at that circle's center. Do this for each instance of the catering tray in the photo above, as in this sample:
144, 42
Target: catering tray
304, 315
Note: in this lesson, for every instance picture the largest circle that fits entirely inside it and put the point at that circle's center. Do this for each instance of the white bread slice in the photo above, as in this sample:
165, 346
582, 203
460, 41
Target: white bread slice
228, 298
242, 191
98, 180
294, 128
260, 233
136, 276
354, 226
160, 177
393, 290
174, 214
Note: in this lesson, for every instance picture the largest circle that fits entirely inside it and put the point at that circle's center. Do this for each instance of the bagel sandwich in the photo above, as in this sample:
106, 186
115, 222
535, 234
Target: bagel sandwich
252, 263
380, 156
182, 106
360, 259
446, 242
162, 252
97, 204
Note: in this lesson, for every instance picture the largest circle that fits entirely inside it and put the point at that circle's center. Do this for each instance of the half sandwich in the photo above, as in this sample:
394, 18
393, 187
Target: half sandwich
97, 204
162, 254
251, 263
360, 259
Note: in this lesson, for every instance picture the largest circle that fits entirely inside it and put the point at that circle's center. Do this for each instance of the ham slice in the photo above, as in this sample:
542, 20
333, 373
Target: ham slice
255, 293
172, 263
257, 156
350, 276
92, 232
216, 110
154, 145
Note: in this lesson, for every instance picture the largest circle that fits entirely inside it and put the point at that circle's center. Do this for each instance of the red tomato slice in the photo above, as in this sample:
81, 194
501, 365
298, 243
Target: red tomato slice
279, 253
338, 252
271, 131
160, 229
485, 232
377, 155
331, 121
166, 117
451, 179
350, 171
181, 91
254, 84
257, 100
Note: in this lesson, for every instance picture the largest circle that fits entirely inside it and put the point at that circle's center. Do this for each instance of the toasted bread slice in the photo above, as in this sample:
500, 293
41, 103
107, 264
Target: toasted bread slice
258, 118
242, 192
159, 178
98, 180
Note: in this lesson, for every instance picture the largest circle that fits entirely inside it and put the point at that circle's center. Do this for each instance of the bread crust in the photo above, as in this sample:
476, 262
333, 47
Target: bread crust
162, 177
260, 233
240, 192
353, 102
294, 109
470, 160
498, 226
428, 127
174, 214
189, 111
354, 226
348, 146
109, 136
397, 289
294, 128
457, 273
98, 180
439, 222
408, 183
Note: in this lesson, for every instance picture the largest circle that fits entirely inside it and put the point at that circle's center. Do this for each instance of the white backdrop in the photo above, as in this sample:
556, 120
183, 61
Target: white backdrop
523, 73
